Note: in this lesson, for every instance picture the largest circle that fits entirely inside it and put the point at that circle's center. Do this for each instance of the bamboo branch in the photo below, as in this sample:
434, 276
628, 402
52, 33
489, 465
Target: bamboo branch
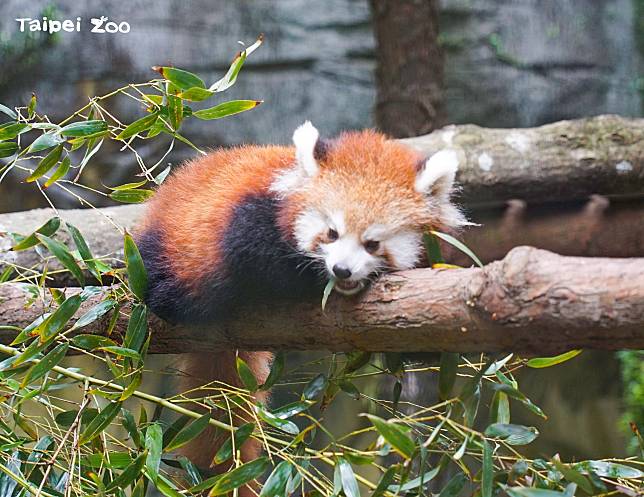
532, 301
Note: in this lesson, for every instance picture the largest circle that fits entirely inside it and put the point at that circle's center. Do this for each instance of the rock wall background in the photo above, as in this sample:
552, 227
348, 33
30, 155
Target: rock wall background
509, 62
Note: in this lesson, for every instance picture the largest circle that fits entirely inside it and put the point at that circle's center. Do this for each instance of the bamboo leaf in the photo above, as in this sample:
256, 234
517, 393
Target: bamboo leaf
487, 471
196, 94
349, 388
454, 486
608, 469
520, 396
84, 128
138, 126
281, 424
132, 386
546, 362
92, 342
47, 163
7, 149
416, 482
60, 172
6, 110
276, 482
500, 408
531, 492
127, 420
512, 434
45, 364
459, 245
327, 291
100, 422
45, 141
137, 328
137, 275
231, 76
129, 474
139, 488
447, 374
246, 375
460, 452
433, 249
239, 476
166, 487
128, 186
94, 314
132, 196
191, 470
48, 229
121, 351
83, 250
394, 435
276, 371
315, 387
61, 253
153, 445
57, 321
348, 478
572, 475
9, 131
226, 109
188, 433
386, 480
241, 434
180, 78
66, 418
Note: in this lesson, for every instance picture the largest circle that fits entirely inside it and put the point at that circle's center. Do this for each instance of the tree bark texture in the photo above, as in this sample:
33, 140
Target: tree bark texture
562, 161
409, 71
532, 302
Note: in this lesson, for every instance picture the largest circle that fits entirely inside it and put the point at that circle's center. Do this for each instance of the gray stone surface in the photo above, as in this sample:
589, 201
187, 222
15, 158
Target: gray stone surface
509, 63
317, 61
529, 62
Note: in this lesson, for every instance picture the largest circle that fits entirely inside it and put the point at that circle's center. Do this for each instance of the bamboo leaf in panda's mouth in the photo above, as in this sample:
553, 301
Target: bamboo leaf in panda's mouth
327, 291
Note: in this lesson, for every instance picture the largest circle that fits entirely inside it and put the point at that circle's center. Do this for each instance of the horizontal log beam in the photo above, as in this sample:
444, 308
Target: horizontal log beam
532, 302
562, 161
598, 227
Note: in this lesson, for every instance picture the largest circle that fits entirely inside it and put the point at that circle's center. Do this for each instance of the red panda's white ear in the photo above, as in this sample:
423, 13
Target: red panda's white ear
305, 138
436, 176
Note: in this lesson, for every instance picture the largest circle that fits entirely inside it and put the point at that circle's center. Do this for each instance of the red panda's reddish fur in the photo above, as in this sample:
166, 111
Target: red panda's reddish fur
207, 189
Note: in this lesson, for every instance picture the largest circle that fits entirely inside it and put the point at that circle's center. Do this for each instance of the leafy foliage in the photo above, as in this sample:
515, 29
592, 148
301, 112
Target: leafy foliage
65, 431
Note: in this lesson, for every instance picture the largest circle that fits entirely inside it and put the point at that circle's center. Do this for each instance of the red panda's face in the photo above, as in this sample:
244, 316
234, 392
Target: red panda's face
360, 207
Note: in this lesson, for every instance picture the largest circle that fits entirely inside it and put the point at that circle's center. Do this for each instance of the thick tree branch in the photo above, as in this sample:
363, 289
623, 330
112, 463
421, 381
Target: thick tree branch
532, 301
557, 162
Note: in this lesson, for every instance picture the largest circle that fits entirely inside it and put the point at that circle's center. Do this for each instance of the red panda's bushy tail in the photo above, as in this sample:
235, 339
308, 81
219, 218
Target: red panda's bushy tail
202, 369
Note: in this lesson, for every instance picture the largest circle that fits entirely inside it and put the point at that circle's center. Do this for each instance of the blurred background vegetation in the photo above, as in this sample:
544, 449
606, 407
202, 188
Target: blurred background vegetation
506, 64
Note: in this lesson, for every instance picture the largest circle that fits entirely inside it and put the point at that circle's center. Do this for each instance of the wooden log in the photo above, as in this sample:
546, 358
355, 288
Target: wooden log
532, 302
562, 161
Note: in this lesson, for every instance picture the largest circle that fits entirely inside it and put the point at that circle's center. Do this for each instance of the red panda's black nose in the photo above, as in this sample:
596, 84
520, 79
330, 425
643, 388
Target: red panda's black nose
341, 272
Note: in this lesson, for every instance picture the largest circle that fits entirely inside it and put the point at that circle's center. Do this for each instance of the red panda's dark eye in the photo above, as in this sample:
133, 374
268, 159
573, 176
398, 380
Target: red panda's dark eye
332, 235
371, 246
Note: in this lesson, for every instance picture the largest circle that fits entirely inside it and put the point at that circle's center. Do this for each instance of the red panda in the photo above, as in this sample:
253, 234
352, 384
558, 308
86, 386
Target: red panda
258, 223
